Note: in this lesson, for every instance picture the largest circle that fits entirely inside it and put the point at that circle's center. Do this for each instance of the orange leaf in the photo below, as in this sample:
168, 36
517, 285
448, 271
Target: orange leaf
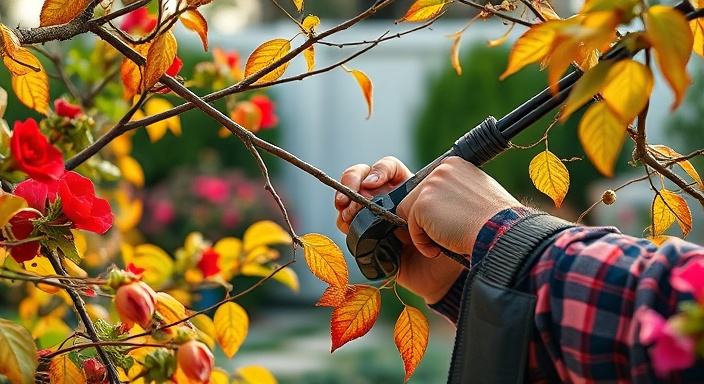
63, 370
55, 12
332, 297
503, 38
298, 4
255, 374
365, 84
160, 56
411, 337
550, 176
18, 353
602, 135
627, 89
667, 153
21, 62
697, 27
668, 207
231, 326
586, 87
131, 73
356, 316
532, 47
669, 33
309, 24
193, 20
264, 56
325, 259
423, 10
32, 90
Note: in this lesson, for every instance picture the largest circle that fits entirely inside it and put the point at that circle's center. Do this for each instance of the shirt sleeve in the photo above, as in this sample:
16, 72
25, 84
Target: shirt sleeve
590, 284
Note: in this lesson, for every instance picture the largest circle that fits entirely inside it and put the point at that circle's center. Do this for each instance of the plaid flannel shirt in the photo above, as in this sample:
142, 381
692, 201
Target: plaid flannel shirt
589, 284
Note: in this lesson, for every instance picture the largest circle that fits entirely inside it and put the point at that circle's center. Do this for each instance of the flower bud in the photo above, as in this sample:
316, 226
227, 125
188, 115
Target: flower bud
195, 360
95, 371
135, 304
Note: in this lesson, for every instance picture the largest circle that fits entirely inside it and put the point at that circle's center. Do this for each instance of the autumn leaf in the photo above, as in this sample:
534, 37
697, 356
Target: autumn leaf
602, 135
356, 316
255, 374
333, 296
32, 90
131, 73
264, 56
160, 56
309, 24
18, 353
131, 171
205, 328
298, 4
669, 207
41, 266
219, 376
503, 38
309, 55
21, 62
157, 264
423, 10
586, 88
9, 206
532, 47
285, 276
697, 28
663, 152
193, 20
627, 88
669, 33
231, 326
157, 130
550, 176
325, 259
455, 52
55, 12
264, 232
169, 309
365, 84
411, 337
63, 371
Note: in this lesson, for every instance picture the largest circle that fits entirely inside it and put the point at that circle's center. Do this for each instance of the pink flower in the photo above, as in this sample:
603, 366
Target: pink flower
266, 106
196, 361
66, 109
138, 21
690, 278
669, 351
135, 304
164, 213
210, 188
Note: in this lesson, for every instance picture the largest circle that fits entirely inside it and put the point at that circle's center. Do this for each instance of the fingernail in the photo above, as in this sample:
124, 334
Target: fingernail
371, 178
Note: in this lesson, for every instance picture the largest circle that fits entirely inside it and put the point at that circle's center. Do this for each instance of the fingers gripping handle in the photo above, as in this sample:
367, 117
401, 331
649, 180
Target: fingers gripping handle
481, 144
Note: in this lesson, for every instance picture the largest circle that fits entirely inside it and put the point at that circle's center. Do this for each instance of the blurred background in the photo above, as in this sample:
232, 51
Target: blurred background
420, 107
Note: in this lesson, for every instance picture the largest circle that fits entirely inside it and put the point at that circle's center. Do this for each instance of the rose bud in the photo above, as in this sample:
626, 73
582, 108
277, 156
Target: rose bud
195, 360
95, 372
135, 304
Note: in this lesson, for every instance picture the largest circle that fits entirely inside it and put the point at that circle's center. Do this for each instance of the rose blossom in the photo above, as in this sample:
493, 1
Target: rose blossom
668, 350
266, 106
690, 278
135, 303
33, 154
81, 206
66, 109
138, 20
195, 360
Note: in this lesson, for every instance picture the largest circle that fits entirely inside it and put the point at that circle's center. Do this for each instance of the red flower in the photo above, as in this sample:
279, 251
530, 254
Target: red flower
138, 21
33, 154
22, 227
208, 263
95, 371
66, 109
81, 206
36, 193
175, 67
266, 106
135, 304
195, 360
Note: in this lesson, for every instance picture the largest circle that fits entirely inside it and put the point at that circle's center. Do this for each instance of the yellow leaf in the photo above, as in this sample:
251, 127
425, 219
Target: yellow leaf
193, 20
156, 131
63, 370
231, 326
668, 31
230, 251
602, 135
206, 329
563, 53
32, 90
264, 56
309, 55
697, 28
9, 206
411, 337
131, 170
658, 240
503, 38
325, 259
309, 24
550, 176
298, 4
21, 62
131, 73
157, 264
18, 353
356, 316
41, 266
286, 276
219, 376
586, 87
170, 309
255, 374
663, 152
264, 232
128, 211
423, 10
55, 12
627, 89
532, 47
160, 56
668, 207
455, 52
365, 84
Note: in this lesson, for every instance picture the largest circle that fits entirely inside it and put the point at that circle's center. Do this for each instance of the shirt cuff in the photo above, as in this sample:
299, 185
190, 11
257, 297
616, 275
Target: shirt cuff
449, 305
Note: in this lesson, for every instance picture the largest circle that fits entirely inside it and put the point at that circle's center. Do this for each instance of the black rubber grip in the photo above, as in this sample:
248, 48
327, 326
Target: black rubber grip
481, 144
